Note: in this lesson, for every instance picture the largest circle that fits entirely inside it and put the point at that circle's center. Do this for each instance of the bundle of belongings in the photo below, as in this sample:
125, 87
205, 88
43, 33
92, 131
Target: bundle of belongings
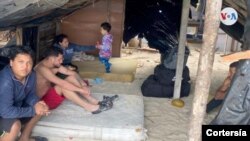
161, 83
82, 56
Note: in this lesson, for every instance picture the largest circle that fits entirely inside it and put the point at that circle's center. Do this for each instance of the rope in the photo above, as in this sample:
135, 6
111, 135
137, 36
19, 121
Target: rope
108, 11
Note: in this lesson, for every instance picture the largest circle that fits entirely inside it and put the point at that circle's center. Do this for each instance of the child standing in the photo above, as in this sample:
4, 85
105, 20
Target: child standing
106, 46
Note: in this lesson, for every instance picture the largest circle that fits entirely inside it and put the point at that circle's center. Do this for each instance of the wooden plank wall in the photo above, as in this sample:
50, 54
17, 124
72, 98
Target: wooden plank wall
83, 26
47, 32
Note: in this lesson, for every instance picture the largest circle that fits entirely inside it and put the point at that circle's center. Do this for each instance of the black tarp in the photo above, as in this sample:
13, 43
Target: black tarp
158, 21
161, 83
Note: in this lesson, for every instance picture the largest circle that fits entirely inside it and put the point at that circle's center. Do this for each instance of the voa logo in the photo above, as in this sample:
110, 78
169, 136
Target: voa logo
228, 16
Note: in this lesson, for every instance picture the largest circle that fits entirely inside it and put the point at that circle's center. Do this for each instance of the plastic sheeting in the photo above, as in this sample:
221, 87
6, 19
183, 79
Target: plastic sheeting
170, 58
236, 106
124, 122
161, 83
158, 21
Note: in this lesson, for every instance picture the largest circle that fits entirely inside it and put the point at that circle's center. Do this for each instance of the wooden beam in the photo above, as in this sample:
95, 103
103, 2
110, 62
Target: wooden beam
58, 27
19, 36
37, 45
206, 59
181, 48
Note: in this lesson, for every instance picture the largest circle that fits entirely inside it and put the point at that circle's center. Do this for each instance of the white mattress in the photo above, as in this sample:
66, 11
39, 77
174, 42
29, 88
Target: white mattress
124, 122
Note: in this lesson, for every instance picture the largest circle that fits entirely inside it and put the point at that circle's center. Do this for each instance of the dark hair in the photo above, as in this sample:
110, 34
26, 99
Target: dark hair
234, 64
52, 52
59, 38
106, 26
15, 50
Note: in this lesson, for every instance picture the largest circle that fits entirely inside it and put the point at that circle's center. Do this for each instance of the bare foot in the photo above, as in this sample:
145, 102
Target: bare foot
93, 108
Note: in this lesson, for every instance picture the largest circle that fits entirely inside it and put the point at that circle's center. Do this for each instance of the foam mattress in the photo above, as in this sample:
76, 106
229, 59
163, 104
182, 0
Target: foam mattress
124, 122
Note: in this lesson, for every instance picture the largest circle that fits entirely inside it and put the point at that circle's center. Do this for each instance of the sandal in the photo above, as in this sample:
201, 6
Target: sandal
39, 138
103, 107
110, 98
108, 104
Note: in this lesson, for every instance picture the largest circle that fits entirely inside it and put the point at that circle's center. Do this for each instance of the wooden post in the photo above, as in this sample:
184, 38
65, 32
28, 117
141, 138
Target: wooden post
58, 27
233, 47
19, 36
225, 46
181, 48
203, 79
37, 45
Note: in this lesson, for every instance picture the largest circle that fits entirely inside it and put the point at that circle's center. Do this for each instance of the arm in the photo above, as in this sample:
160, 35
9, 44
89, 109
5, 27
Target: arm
66, 71
237, 56
31, 97
7, 108
221, 91
106, 43
84, 48
50, 76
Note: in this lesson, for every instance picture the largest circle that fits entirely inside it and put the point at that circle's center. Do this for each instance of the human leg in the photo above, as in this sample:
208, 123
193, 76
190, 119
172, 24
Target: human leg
25, 136
55, 96
74, 97
106, 63
101, 59
213, 104
77, 80
10, 128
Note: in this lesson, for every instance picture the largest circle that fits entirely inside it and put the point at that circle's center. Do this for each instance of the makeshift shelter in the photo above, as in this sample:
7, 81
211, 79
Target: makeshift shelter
32, 18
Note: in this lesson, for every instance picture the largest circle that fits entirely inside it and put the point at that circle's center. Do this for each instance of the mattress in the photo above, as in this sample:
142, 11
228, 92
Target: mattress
124, 122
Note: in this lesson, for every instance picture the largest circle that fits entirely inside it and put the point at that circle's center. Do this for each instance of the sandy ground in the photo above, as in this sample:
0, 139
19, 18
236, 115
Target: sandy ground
163, 121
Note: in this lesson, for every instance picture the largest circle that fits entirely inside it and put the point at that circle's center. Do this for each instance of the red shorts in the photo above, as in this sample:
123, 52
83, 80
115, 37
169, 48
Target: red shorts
52, 99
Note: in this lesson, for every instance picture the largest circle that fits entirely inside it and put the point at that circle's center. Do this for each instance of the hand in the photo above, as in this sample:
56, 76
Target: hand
71, 68
41, 108
85, 91
85, 83
97, 45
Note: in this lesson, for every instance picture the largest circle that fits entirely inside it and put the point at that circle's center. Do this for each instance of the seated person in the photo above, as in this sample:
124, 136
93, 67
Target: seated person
222, 90
19, 104
62, 42
54, 90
